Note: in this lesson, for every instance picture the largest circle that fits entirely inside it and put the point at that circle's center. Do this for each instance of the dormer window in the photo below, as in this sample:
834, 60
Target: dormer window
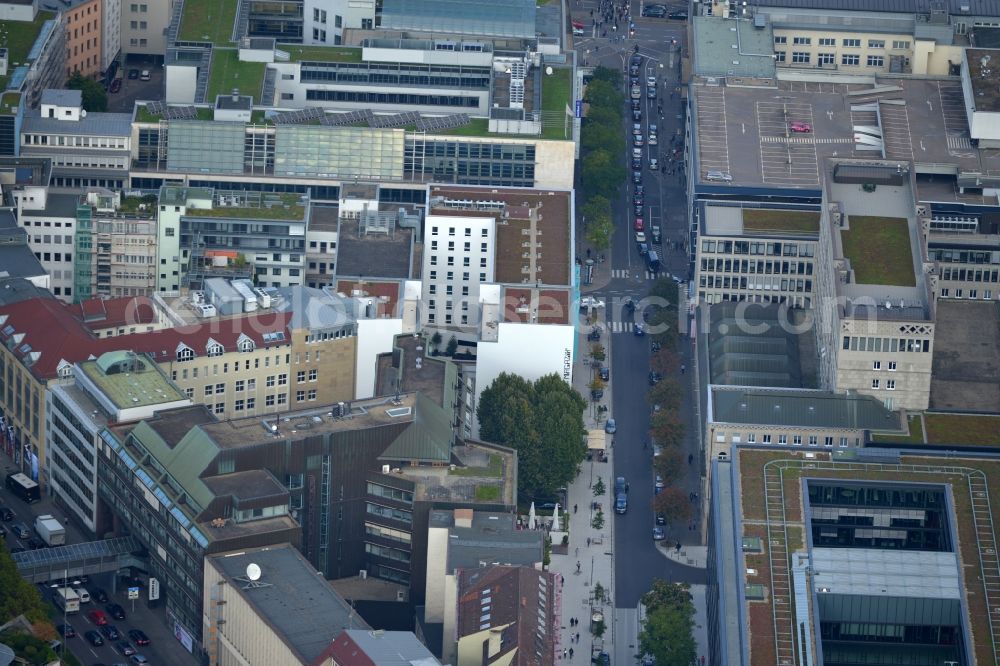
214, 348
245, 344
184, 353
65, 370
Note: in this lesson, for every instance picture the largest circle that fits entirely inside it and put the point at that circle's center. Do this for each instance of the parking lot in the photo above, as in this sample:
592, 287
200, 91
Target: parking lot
713, 142
134, 89
787, 158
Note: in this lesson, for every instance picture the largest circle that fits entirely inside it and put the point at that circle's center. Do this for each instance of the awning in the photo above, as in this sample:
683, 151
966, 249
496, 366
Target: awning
597, 440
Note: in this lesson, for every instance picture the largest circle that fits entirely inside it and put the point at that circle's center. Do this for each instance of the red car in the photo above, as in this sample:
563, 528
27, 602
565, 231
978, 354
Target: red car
98, 617
639, 224
578, 25
800, 127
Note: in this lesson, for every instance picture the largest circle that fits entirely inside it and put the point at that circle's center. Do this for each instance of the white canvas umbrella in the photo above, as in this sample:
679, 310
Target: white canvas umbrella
531, 517
555, 518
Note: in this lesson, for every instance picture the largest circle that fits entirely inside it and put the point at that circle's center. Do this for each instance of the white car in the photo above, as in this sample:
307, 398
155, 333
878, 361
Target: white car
145, 75
651, 81
652, 139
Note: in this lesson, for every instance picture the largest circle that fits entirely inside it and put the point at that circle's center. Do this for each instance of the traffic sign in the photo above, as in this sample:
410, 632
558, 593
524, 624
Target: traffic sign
154, 589
579, 108
133, 593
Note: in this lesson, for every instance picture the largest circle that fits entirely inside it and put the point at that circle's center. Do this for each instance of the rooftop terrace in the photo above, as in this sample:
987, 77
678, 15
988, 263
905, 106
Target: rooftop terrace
229, 73
771, 509
298, 53
19, 37
208, 21
271, 207
144, 385
770, 221
984, 74
879, 250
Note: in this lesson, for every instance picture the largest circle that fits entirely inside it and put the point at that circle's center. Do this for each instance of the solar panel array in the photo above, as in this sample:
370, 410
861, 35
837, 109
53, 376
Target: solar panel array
352, 118
156, 108
443, 122
396, 120
300, 116
181, 113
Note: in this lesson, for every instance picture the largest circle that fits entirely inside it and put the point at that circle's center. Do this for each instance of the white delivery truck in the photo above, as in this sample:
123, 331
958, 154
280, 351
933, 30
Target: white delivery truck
67, 600
50, 531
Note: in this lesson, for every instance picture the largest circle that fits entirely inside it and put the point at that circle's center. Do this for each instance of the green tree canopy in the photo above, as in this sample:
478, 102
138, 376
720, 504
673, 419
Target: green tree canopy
604, 135
602, 93
18, 596
94, 96
666, 428
669, 464
613, 77
602, 174
600, 227
673, 504
542, 421
668, 631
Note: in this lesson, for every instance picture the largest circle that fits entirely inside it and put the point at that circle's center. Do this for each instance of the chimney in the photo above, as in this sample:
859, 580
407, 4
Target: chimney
463, 517
236, 94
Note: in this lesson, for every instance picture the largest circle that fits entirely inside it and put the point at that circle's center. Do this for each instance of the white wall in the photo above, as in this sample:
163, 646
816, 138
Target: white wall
437, 570
375, 336
181, 83
111, 39
50, 241
529, 350
436, 248
16, 12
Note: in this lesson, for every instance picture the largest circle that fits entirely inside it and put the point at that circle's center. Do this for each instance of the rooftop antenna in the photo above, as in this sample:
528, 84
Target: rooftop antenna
253, 571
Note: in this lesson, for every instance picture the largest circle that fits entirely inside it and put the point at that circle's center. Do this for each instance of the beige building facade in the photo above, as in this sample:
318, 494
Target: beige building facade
84, 35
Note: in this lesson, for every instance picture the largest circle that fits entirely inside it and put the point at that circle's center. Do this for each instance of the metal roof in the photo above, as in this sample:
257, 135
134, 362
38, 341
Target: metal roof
93, 124
801, 409
76, 552
427, 439
722, 51
290, 596
886, 573
19, 261
60, 97
975, 7
391, 648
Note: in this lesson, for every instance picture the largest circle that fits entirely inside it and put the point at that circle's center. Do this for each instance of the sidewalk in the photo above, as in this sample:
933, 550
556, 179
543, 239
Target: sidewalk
589, 547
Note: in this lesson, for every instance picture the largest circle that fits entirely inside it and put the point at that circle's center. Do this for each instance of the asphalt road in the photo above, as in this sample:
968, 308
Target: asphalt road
638, 559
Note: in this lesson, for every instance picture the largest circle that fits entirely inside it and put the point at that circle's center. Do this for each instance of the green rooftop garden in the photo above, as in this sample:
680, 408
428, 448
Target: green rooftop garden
142, 115
916, 435
978, 429
494, 470
284, 207
321, 53
9, 102
18, 37
557, 90
879, 250
780, 221
229, 72
257, 118
208, 21
131, 204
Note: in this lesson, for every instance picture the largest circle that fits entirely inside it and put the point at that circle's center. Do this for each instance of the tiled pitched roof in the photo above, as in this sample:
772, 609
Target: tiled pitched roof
99, 313
46, 334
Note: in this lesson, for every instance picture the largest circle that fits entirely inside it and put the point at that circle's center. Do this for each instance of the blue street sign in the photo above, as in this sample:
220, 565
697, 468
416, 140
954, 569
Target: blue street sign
579, 108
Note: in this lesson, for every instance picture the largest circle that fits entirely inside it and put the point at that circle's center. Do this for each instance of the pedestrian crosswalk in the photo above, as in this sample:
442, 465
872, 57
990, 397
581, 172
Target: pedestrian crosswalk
634, 274
621, 326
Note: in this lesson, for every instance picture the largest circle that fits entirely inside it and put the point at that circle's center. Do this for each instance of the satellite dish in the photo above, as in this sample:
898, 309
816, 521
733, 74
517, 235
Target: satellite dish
253, 571
548, 71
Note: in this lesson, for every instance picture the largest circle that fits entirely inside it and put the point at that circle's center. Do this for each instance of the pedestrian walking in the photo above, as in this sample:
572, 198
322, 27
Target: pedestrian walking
574, 508
565, 652
571, 652
588, 542
578, 566
578, 638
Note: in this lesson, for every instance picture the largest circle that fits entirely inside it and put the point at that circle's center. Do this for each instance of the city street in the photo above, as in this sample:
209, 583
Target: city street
625, 274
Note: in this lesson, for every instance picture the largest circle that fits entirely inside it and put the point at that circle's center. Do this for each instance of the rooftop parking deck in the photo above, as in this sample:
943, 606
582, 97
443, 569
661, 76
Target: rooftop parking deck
747, 132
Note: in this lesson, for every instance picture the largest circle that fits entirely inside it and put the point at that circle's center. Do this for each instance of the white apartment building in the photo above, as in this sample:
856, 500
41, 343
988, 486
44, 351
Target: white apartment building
117, 387
459, 257
323, 21
49, 218
111, 37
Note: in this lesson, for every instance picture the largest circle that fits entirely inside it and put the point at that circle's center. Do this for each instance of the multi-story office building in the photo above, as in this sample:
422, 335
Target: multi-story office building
118, 387
965, 249
86, 149
115, 247
198, 227
35, 61
50, 222
111, 33
876, 311
758, 255
143, 27
83, 22
16, 256
814, 558
459, 256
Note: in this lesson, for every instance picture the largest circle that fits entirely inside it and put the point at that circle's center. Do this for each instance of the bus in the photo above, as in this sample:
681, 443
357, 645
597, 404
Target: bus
67, 600
23, 487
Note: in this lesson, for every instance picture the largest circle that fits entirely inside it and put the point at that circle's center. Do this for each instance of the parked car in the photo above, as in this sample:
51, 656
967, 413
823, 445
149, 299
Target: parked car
133, 73
639, 330
596, 394
651, 81
637, 141
658, 484
652, 140
637, 210
99, 595
654, 164
636, 129
678, 16
610, 427
643, 249
640, 237
116, 85
139, 659
605, 374
126, 648
658, 533
637, 199
116, 611
719, 175
621, 503
654, 378
636, 177
655, 231
66, 630
94, 638
21, 531
144, 75
636, 162
796, 126
651, 92
636, 115
6, 515
654, 12
97, 617
138, 637
639, 224
661, 519
34, 543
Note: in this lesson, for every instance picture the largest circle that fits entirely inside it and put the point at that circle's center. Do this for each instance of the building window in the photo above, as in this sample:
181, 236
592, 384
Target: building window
269, 400
311, 395
875, 383
300, 376
801, 57
850, 59
185, 354
220, 408
220, 388
240, 385
876, 61
767, 439
752, 438
797, 440
282, 398
238, 406
892, 366
827, 58
876, 43
779, 56
780, 39
852, 43
890, 384
251, 403
215, 350
313, 374
828, 441
827, 41
782, 439
282, 380
269, 382
900, 44
802, 41
300, 396
876, 365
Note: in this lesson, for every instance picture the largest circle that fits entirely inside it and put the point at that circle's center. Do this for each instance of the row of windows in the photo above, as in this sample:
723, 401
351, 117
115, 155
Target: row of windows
395, 99
783, 439
389, 492
773, 284
758, 248
962, 275
120, 143
897, 44
973, 293
964, 256
383, 77
763, 267
847, 59
450, 275
892, 345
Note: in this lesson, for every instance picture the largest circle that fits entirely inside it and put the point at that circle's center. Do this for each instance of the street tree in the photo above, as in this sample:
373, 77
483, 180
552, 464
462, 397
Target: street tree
664, 593
602, 174
669, 464
596, 134
94, 97
666, 361
452, 346
668, 635
542, 421
600, 227
673, 503
597, 352
608, 75
666, 428
667, 394
602, 93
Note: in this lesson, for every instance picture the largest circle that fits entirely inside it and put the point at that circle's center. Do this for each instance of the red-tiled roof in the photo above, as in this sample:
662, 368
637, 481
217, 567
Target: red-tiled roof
97, 313
46, 333
387, 290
